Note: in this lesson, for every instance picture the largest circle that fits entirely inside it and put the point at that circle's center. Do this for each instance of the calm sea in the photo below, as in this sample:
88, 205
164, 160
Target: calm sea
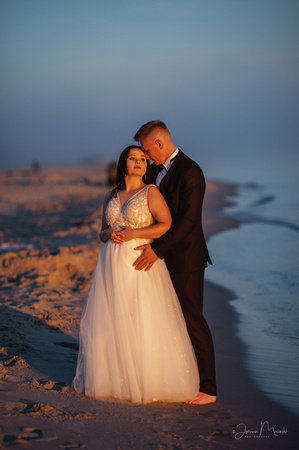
260, 262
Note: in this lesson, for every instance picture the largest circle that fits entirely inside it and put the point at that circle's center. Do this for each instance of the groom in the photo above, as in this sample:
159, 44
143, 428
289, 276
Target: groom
184, 248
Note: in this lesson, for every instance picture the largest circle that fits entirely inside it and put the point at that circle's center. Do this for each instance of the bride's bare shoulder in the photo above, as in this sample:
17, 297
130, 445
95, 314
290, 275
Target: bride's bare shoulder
154, 194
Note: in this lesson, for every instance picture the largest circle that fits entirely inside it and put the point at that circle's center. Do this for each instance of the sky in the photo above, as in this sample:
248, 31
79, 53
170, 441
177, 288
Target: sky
79, 77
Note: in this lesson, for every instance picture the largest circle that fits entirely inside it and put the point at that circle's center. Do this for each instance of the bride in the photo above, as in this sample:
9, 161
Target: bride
134, 344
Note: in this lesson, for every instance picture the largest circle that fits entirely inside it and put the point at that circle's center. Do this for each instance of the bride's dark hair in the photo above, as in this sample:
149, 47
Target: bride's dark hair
121, 170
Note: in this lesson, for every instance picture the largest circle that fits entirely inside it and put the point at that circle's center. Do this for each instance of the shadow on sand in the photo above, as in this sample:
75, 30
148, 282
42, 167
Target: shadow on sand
26, 339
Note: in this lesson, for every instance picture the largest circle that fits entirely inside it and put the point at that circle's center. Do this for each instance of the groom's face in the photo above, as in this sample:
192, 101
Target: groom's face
152, 148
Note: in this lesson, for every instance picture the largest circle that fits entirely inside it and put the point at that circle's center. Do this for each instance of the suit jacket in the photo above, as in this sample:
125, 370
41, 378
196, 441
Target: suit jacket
183, 246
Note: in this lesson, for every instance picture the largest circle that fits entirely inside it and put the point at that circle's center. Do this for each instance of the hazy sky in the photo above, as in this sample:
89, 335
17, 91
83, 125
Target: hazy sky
78, 77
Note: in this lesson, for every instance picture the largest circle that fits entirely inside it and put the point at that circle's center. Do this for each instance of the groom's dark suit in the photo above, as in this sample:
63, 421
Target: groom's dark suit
186, 255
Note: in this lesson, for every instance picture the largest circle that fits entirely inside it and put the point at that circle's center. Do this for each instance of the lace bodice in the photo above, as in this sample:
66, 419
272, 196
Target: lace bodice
135, 212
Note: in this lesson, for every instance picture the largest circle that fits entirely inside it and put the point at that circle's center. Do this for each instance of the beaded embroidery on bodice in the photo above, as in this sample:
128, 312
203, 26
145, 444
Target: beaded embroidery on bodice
135, 212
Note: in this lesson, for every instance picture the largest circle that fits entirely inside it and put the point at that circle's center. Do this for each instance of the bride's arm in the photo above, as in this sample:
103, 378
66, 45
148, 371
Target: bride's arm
160, 212
105, 233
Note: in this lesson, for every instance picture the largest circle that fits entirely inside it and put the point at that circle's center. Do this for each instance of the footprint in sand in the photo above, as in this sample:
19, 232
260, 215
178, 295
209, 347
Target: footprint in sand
26, 435
70, 445
169, 434
215, 434
40, 410
17, 361
9, 378
50, 385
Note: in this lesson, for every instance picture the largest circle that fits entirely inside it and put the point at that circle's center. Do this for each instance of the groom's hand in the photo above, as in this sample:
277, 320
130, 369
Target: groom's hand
147, 258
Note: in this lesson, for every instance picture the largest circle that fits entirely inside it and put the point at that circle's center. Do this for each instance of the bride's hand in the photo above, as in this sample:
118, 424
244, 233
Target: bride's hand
116, 236
127, 234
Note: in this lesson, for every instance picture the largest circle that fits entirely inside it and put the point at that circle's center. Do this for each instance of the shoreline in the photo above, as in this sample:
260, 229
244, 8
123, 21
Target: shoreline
39, 318
234, 380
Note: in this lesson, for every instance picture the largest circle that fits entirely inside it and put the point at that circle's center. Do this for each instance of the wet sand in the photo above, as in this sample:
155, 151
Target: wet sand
56, 213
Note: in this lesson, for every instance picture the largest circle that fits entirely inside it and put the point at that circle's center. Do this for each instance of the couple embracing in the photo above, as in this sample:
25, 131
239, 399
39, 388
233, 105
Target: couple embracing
143, 336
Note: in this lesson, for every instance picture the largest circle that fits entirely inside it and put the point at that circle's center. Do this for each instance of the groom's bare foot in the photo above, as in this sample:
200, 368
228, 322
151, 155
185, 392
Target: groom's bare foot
202, 399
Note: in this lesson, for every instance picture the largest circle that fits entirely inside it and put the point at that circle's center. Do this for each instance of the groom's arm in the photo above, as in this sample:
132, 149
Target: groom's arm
188, 214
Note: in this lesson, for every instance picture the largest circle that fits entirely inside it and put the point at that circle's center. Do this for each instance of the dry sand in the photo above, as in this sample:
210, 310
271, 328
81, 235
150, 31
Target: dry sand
43, 288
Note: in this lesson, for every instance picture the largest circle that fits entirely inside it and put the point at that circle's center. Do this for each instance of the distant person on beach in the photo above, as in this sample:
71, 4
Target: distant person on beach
35, 165
183, 246
134, 344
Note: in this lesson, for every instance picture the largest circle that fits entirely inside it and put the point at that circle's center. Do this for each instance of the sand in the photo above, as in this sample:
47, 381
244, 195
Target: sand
53, 218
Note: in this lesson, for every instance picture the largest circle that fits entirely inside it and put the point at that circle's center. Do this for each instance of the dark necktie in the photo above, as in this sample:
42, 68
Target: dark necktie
159, 167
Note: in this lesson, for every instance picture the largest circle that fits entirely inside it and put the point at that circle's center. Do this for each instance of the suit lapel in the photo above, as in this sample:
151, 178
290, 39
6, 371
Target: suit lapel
166, 181
153, 173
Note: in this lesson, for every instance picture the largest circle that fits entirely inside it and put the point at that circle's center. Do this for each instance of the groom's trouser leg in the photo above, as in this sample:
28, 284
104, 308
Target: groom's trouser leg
189, 288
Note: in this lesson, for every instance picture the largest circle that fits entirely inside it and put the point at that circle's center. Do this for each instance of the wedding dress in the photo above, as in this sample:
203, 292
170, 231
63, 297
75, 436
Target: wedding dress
134, 343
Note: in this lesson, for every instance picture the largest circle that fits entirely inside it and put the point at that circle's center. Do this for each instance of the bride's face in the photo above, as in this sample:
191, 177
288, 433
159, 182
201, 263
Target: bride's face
136, 162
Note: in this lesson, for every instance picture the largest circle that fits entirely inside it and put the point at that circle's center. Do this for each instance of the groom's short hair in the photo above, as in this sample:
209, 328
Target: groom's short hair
148, 127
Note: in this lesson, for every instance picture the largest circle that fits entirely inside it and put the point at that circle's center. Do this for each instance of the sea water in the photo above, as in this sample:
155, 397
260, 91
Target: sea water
259, 262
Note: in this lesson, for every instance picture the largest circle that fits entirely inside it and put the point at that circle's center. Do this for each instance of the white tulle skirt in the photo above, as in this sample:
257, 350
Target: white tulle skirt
134, 343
